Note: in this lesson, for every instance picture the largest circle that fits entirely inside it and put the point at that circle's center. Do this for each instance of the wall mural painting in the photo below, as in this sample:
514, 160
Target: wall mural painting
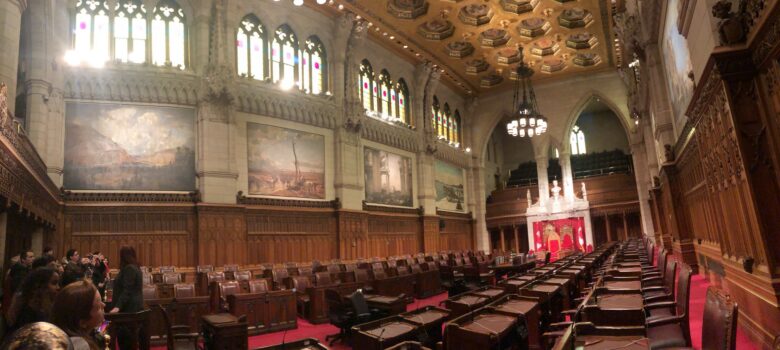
284, 162
129, 147
677, 63
449, 187
388, 178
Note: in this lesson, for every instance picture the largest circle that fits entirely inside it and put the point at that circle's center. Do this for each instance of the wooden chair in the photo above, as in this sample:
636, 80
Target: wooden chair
227, 288
171, 278
322, 279
671, 330
280, 277
215, 276
150, 291
301, 284
258, 286
204, 268
184, 290
178, 337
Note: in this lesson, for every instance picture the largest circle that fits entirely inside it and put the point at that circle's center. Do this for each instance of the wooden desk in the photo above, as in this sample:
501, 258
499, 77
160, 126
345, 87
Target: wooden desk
395, 286
258, 311
408, 345
429, 319
464, 303
615, 309
427, 283
528, 314
390, 305
136, 324
513, 285
503, 269
303, 344
547, 295
634, 285
597, 342
481, 330
380, 334
187, 311
224, 332
492, 293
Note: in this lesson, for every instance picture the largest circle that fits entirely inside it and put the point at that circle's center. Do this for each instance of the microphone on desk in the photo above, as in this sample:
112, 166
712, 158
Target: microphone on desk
380, 337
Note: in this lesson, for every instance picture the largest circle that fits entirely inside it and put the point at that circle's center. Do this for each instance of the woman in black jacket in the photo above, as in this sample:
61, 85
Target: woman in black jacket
128, 295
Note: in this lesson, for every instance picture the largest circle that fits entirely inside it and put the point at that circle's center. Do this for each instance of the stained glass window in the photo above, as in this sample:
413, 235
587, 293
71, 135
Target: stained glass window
435, 118
313, 66
250, 48
284, 56
402, 93
445, 130
366, 84
168, 34
130, 31
456, 128
92, 32
384, 94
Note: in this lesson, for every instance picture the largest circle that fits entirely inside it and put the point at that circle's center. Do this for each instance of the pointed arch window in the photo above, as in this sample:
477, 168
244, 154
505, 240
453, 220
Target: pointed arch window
402, 108
577, 141
168, 34
435, 115
444, 130
456, 128
313, 66
130, 31
385, 86
250, 48
284, 55
92, 32
366, 85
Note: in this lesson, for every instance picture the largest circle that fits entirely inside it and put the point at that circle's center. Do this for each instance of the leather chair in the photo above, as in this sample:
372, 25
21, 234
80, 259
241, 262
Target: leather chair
279, 276
230, 271
167, 269
334, 270
258, 286
378, 274
649, 291
183, 290
364, 278
150, 291
340, 315
430, 265
244, 275
215, 276
178, 337
322, 279
171, 278
204, 268
416, 269
146, 278
665, 329
227, 288
720, 322
307, 271
350, 267
301, 284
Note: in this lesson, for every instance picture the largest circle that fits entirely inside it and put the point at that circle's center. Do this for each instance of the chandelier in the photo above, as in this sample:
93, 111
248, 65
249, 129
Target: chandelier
526, 119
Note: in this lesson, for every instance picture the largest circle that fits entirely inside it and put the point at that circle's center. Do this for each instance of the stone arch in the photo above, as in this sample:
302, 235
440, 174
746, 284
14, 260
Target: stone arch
583, 103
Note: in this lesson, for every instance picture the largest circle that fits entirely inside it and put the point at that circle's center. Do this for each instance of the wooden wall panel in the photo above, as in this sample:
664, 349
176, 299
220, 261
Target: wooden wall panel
393, 234
352, 237
221, 235
291, 235
161, 235
457, 234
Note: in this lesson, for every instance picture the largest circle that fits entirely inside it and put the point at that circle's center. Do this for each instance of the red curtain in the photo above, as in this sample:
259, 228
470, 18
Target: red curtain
574, 242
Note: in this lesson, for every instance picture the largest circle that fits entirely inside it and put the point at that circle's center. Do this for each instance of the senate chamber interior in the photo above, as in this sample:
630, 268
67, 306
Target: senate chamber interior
390, 174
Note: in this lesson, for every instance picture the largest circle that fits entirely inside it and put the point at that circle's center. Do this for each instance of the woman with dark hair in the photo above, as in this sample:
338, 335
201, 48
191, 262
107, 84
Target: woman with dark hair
128, 294
35, 297
78, 310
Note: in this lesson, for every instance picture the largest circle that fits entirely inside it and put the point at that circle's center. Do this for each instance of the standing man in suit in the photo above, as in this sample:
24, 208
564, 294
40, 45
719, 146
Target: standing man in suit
74, 270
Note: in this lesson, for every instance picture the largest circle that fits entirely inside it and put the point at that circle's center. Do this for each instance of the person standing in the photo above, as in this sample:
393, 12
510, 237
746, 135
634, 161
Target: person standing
99, 272
13, 280
128, 294
74, 270
35, 298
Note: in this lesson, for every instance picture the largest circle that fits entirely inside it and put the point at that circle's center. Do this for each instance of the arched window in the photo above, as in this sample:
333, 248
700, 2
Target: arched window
444, 131
402, 93
366, 85
577, 141
313, 66
250, 48
456, 128
91, 33
284, 60
168, 34
130, 31
385, 86
435, 115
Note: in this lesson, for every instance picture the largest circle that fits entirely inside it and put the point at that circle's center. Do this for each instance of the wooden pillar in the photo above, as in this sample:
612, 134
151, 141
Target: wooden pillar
503, 244
625, 226
517, 239
609, 228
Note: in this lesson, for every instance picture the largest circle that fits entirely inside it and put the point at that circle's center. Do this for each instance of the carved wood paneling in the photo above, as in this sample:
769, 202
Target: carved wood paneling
221, 235
457, 233
161, 235
290, 235
431, 236
352, 237
393, 234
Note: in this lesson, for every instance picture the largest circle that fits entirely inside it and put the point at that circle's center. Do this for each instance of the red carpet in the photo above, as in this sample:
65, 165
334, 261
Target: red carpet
307, 330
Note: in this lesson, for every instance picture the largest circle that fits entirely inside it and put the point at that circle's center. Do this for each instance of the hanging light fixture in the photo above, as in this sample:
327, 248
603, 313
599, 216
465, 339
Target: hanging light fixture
526, 119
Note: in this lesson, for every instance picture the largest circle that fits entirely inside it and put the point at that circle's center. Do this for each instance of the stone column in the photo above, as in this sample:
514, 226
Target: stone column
568, 178
544, 186
639, 155
517, 238
476, 180
663, 114
10, 30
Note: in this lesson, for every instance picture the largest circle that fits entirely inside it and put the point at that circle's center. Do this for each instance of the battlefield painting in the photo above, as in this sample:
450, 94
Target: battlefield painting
449, 187
129, 147
388, 178
285, 163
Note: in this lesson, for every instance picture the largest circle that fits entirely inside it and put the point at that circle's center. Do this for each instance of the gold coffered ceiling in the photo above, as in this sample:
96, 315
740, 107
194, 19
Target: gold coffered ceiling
476, 41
